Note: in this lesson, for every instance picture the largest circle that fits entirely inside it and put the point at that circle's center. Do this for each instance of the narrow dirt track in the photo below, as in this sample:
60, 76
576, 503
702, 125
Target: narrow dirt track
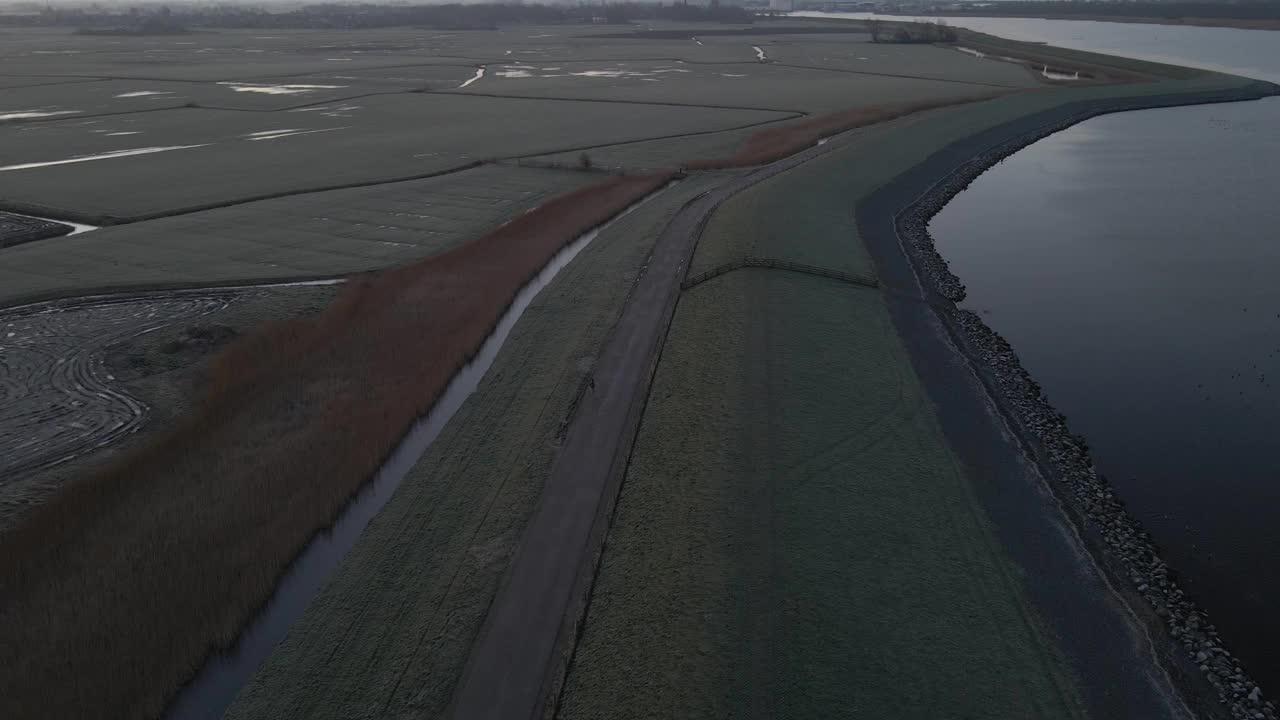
518, 661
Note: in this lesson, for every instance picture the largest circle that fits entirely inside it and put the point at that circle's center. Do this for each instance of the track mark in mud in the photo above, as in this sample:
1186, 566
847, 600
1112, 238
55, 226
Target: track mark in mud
57, 398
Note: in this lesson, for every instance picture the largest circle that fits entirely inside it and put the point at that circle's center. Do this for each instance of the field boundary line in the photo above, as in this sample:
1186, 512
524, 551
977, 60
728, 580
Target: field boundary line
774, 263
902, 77
661, 103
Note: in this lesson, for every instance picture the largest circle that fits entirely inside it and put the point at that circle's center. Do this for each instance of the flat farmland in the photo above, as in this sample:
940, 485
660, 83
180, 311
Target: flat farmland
90, 98
746, 85
211, 56
917, 61
187, 159
216, 118
326, 233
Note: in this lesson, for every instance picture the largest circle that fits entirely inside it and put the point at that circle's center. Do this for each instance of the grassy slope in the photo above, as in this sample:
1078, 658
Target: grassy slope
794, 538
765, 86
457, 516
305, 235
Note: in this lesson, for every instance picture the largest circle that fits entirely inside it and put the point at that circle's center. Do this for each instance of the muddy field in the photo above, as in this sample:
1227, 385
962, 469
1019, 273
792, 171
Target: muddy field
82, 382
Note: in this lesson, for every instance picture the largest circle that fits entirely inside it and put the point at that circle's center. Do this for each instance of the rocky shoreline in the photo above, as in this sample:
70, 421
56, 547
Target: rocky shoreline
1132, 556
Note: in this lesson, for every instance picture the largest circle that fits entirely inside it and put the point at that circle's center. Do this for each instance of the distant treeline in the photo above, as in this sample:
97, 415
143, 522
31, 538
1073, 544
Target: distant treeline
910, 33
149, 26
98, 20
1269, 10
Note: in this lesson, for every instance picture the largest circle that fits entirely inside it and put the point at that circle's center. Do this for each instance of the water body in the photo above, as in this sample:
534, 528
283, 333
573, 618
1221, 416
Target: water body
1251, 53
1132, 262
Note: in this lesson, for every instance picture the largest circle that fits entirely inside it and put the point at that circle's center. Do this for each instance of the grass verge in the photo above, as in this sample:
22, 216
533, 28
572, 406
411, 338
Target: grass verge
297, 417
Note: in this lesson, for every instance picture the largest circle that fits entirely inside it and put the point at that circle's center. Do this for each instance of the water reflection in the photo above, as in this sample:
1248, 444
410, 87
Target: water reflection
1251, 53
1132, 263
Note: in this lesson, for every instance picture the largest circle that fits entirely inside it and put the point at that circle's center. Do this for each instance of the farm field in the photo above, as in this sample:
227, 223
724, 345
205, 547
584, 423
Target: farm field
195, 158
308, 235
761, 86
131, 370
791, 498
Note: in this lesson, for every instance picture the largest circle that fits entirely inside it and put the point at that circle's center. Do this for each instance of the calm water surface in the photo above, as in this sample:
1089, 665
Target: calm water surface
1251, 53
1133, 261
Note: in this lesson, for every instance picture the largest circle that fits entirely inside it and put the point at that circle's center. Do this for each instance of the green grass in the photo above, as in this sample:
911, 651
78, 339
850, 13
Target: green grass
794, 538
923, 61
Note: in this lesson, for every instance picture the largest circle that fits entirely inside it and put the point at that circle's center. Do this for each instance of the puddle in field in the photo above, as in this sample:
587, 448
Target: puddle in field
1057, 75
617, 70
100, 156
144, 93
334, 111
209, 695
287, 132
278, 89
76, 228
28, 114
479, 74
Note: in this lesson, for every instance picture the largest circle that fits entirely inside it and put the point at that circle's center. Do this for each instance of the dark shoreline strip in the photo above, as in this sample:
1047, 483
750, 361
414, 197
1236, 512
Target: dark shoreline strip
992, 412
